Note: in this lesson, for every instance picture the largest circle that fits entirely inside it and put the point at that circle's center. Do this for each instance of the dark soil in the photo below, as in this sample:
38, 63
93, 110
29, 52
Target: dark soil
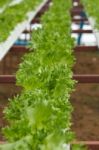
10, 64
85, 99
86, 63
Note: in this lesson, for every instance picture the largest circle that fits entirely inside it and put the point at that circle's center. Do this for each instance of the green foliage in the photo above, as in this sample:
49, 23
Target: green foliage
79, 147
40, 118
92, 8
14, 15
5, 2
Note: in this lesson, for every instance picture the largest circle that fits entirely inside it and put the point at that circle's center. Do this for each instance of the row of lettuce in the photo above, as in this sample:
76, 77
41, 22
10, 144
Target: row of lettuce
92, 8
40, 118
13, 15
3, 3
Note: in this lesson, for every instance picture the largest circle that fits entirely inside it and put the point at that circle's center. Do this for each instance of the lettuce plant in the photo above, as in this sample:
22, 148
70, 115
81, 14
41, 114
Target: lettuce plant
40, 118
92, 8
5, 2
14, 15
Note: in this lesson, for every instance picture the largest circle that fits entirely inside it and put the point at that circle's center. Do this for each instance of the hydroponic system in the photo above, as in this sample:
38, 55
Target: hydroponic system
38, 42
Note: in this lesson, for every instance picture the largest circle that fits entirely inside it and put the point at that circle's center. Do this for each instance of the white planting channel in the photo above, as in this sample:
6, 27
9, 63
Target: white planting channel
5, 46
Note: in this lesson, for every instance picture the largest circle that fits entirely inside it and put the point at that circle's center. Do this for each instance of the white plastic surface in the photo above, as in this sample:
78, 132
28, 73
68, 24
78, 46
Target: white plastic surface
74, 26
36, 26
87, 27
92, 22
95, 31
75, 4
66, 146
24, 36
88, 40
28, 27
77, 17
5, 46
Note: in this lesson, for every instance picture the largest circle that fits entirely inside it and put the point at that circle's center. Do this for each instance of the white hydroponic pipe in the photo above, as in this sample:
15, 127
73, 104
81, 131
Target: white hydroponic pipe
6, 45
95, 31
